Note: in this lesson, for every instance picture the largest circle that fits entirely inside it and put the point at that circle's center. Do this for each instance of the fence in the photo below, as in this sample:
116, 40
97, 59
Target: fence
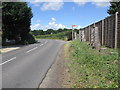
108, 31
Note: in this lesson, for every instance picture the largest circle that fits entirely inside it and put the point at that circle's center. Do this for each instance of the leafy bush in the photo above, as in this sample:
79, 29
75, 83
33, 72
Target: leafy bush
31, 39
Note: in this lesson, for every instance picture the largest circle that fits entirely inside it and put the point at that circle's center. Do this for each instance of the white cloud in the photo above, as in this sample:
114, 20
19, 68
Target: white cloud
99, 3
36, 3
48, 4
51, 25
58, 4
80, 2
44, 0
78, 27
53, 19
52, 6
35, 27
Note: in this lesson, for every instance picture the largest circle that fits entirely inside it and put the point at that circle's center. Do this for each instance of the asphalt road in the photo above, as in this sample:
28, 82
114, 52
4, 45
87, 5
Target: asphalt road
27, 66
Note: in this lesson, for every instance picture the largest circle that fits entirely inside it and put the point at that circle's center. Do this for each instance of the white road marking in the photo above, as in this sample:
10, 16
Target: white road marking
41, 44
46, 42
31, 49
8, 60
34, 44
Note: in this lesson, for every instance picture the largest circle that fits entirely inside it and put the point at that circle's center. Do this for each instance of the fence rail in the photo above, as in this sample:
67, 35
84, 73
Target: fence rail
108, 31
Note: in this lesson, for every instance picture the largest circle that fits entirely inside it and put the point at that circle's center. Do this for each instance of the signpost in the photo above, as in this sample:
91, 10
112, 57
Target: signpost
72, 30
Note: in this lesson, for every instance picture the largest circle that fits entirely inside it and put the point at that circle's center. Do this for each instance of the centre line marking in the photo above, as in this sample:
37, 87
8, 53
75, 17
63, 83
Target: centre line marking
46, 42
31, 49
8, 60
41, 44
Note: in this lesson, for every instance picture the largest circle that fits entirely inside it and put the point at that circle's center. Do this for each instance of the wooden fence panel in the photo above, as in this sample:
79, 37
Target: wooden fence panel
112, 31
105, 32
108, 31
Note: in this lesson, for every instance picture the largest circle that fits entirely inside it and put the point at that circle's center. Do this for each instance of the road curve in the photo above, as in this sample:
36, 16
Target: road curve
27, 66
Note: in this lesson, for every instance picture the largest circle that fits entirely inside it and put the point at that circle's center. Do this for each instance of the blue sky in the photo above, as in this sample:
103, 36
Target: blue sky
64, 14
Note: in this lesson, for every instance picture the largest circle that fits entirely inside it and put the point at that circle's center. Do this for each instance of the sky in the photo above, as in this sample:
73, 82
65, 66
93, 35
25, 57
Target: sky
55, 15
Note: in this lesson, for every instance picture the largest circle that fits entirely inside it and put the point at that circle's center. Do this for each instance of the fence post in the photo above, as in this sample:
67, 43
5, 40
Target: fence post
89, 34
75, 35
79, 35
97, 41
103, 32
92, 37
116, 29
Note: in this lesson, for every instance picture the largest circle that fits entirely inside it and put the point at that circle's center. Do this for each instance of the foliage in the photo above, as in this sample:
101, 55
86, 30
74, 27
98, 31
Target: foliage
63, 34
66, 35
16, 21
92, 69
115, 7
0, 23
29, 40
49, 31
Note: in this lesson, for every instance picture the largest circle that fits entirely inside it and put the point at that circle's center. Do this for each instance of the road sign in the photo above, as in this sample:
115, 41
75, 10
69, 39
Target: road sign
73, 25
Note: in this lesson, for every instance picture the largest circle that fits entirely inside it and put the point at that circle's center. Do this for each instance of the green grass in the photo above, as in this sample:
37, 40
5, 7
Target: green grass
92, 69
62, 36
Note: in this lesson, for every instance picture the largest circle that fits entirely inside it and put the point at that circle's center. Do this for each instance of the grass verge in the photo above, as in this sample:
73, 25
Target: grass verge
89, 68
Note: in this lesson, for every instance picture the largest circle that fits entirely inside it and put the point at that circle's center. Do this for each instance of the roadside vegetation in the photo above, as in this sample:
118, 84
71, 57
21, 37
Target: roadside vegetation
61, 36
16, 21
89, 68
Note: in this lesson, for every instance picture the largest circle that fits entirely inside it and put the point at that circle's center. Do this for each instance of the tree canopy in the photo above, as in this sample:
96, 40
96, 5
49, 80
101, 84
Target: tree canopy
16, 18
114, 7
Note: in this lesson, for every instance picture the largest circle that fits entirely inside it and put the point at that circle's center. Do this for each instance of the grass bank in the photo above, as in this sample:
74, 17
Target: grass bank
60, 36
89, 68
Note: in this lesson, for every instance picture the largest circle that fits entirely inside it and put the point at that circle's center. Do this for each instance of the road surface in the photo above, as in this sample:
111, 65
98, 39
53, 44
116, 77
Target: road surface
27, 66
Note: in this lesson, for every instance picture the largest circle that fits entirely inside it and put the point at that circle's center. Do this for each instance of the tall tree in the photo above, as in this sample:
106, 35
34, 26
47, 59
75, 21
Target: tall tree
114, 7
16, 18
0, 23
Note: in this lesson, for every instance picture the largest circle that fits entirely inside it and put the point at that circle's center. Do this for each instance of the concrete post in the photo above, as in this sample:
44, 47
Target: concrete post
89, 34
116, 29
103, 32
97, 40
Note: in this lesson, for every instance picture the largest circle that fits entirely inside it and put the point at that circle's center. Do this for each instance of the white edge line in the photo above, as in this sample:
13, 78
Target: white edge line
31, 49
8, 60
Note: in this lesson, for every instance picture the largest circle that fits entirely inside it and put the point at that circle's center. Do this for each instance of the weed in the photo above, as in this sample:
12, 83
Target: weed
92, 68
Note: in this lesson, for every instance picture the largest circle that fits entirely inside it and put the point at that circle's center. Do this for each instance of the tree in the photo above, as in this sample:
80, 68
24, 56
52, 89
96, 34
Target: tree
50, 31
0, 22
16, 17
38, 32
115, 7
60, 30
